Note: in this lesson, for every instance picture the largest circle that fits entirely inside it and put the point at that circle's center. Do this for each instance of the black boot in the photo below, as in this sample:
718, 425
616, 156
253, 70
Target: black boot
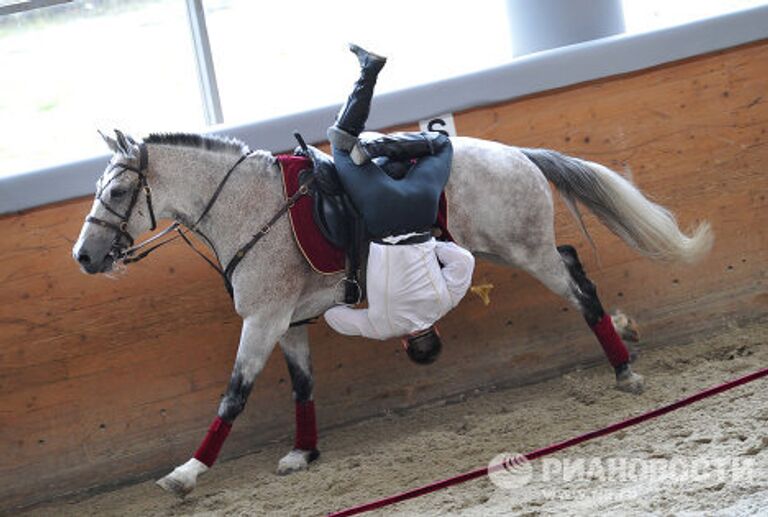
354, 113
369, 62
403, 146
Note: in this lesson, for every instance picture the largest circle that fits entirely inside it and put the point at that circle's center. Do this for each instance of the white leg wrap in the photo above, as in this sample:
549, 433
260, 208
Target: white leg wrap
183, 479
630, 382
293, 462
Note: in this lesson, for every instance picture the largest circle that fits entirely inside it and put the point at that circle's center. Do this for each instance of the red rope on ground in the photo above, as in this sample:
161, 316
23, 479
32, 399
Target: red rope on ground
474, 474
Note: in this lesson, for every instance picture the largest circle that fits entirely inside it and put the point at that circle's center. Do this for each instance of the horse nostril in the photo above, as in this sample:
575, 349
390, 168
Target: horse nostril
83, 258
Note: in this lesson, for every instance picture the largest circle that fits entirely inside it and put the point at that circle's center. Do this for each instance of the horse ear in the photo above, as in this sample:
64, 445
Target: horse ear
111, 142
125, 143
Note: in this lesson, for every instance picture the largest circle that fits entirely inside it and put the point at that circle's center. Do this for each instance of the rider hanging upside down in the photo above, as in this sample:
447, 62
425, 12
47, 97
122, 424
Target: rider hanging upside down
413, 280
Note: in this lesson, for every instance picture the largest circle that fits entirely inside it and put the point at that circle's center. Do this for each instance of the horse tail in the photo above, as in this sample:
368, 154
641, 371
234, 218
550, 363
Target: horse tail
649, 228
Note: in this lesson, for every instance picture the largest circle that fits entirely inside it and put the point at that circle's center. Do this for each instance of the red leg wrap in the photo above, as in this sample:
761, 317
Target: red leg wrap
613, 346
214, 439
306, 426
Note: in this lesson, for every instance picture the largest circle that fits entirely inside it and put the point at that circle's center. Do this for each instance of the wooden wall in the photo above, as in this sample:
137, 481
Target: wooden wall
105, 380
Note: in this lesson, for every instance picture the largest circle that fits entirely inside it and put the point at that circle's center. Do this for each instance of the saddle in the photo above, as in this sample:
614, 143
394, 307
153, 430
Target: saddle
333, 211
335, 216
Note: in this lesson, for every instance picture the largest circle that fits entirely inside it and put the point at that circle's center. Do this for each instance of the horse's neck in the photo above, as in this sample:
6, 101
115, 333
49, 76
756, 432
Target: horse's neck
187, 178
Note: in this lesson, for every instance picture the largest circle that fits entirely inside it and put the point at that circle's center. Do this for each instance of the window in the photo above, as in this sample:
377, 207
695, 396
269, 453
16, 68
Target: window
644, 15
274, 58
83, 65
71, 69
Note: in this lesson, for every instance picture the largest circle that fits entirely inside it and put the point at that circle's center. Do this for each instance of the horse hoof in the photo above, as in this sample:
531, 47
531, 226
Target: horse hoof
175, 486
626, 327
296, 460
630, 382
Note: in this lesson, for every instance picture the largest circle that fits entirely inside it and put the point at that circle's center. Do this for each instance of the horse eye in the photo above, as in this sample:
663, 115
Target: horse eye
117, 193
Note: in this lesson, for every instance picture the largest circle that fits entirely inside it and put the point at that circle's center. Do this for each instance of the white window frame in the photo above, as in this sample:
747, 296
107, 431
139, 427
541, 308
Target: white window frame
28, 5
206, 72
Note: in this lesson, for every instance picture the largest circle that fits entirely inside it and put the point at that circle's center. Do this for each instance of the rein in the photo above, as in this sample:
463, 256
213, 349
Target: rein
230, 269
128, 255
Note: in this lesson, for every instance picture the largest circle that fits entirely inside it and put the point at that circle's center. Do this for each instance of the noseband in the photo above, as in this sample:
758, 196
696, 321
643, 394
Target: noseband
121, 228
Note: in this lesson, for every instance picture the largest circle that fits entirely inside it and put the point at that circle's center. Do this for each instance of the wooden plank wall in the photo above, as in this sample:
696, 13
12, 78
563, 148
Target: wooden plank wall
105, 380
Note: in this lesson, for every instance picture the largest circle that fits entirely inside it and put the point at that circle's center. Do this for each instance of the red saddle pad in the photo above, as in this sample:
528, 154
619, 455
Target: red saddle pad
323, 256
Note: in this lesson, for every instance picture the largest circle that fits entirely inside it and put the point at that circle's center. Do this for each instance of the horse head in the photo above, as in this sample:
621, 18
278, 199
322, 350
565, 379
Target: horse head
117, 213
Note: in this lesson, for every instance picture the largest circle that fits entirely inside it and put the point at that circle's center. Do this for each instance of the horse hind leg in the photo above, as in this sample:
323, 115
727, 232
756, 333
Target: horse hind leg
560, 270
585, 294
295, 347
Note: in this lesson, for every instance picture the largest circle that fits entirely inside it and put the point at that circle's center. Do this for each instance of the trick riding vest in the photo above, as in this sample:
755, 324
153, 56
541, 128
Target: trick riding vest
397, 206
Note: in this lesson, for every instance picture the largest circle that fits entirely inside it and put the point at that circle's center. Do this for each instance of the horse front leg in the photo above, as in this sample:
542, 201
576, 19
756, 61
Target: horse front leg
295, 347
257, 340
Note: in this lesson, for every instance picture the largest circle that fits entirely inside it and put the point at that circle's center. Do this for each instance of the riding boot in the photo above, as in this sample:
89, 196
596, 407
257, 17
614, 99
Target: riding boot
403, 146
350, 121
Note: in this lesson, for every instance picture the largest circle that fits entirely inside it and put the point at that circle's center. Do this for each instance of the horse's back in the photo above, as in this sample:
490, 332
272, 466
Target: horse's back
495, 189
490, 157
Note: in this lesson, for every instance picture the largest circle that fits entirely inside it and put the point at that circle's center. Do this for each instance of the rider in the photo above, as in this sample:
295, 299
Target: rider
413, 280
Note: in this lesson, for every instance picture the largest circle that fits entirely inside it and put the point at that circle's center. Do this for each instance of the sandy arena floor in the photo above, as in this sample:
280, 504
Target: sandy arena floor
385, 455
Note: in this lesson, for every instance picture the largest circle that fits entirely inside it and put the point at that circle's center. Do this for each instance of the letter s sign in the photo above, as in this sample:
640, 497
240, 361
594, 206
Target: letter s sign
439, 124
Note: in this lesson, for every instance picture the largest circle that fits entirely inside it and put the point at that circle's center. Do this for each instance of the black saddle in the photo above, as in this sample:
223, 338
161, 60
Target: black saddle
332, 209
335, 215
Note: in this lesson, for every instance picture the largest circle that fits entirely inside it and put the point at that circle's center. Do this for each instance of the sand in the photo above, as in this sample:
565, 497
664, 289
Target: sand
715, 453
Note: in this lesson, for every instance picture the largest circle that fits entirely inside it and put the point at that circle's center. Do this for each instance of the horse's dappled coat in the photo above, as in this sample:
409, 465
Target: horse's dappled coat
501, 207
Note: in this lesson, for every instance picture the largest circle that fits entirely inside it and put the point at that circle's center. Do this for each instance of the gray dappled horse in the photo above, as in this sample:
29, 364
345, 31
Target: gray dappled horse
500, 208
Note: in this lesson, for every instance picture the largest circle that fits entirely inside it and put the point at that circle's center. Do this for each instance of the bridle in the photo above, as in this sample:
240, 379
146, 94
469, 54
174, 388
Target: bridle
128, 254
121, 228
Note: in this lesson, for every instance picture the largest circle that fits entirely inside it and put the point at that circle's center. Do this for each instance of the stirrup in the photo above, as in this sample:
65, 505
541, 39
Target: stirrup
343, 287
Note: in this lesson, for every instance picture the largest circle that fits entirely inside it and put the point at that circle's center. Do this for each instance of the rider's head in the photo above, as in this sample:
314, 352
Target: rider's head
423, 346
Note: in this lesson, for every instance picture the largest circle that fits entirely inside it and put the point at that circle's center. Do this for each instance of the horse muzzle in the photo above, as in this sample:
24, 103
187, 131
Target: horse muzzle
93, 263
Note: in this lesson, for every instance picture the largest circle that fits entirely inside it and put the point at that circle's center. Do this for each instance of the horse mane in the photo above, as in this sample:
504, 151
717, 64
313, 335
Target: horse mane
207, 142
